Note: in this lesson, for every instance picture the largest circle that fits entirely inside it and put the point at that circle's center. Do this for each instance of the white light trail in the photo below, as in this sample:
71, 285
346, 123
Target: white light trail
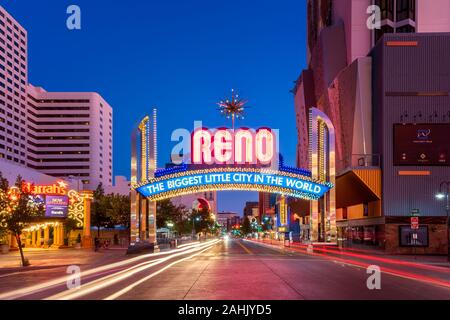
109, 280
16, 294
131, 286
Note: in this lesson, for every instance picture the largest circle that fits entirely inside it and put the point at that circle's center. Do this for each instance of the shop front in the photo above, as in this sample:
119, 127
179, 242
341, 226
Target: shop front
65, 223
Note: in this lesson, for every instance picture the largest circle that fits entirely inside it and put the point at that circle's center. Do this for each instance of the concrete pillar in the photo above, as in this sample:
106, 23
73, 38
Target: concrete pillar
33, 238
46, 235
56, 235
61, 234
38, 238
87, 237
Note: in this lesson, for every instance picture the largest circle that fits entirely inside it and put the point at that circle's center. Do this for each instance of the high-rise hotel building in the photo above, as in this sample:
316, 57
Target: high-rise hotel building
62, 134
69, 135
13, 83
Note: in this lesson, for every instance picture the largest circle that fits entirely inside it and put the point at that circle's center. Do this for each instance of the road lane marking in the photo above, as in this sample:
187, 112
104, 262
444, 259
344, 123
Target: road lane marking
245, 248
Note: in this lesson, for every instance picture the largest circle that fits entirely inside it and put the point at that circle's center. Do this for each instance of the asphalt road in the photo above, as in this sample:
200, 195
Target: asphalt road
236, 269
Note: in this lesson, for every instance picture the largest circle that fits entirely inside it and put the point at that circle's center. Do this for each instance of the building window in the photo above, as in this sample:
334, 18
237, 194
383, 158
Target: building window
406, 9
387, 9
365, 209
344, 213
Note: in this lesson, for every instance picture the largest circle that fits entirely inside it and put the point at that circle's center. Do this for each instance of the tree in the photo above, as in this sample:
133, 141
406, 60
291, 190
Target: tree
246, 227
18, 208
167, 212
203, 220
100, 209
119, 209
69, 225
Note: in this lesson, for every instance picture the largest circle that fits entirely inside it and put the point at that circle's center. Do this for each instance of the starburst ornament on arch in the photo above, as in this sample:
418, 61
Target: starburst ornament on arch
233, 108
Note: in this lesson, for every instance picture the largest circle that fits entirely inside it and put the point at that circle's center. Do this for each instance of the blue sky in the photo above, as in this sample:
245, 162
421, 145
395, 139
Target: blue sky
180, 56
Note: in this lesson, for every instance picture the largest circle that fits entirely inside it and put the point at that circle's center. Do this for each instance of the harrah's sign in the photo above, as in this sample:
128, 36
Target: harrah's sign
225, 146
59, 188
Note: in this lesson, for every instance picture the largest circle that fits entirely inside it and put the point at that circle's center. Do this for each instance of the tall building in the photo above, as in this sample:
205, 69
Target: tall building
70, 135
343, 78
61, 134
13, 82
251, 209
227, 220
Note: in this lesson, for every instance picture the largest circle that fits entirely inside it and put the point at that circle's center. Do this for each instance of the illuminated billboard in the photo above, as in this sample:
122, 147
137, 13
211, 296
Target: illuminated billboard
421, 144
56, 206
191, 181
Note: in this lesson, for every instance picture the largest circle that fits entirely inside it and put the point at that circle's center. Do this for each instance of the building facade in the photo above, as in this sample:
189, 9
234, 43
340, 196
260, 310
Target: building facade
346, 61
411, 101
13, 83
70, 135
63, 134
227, 220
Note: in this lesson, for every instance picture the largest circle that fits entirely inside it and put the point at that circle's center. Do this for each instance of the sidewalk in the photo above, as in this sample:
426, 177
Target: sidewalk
52, 258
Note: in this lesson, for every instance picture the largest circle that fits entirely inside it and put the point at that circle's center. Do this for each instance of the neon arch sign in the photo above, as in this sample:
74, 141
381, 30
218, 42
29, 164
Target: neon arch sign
224, 159
221, 159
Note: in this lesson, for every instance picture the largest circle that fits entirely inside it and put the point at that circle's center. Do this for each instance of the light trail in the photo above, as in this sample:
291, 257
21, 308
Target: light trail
380, 259
15, 294
338, 251
107, 281
131, 286
364, 265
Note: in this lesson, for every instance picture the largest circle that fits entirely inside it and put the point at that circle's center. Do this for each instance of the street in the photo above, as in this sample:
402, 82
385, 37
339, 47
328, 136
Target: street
235, 269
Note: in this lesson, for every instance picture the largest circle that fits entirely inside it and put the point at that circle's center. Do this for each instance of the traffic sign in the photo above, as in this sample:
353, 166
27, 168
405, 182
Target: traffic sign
414, 223
415, 212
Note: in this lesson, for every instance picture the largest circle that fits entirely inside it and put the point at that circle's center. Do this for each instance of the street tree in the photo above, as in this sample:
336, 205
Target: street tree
119, 209
18, 208
100, 213
246, 227
170, 213
203, 220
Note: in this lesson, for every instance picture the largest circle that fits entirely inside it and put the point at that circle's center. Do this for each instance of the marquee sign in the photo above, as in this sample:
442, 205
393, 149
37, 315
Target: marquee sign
218, 159
58, 188
241, 159
246, 179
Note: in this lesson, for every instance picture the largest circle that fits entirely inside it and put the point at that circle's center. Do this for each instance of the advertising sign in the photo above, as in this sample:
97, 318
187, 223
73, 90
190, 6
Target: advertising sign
421, 144
414, 223
237, 180
56, 206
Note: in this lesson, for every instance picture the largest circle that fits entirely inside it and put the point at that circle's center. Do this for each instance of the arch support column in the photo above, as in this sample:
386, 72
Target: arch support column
87, 236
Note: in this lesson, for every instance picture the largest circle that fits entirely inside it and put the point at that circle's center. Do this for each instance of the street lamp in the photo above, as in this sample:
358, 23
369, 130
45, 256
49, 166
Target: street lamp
444, 190
193, 225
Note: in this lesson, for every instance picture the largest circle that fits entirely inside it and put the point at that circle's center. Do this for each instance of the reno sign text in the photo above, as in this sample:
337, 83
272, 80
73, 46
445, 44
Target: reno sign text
241, 146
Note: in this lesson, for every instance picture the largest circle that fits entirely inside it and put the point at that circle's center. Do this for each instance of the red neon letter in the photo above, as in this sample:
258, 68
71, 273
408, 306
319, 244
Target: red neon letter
201, 146
264, 146
223, 140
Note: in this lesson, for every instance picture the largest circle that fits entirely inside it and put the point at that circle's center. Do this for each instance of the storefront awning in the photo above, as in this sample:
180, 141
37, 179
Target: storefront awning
358, 186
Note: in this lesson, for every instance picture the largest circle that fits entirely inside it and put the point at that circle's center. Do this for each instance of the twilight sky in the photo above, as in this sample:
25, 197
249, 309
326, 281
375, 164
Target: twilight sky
181, 56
